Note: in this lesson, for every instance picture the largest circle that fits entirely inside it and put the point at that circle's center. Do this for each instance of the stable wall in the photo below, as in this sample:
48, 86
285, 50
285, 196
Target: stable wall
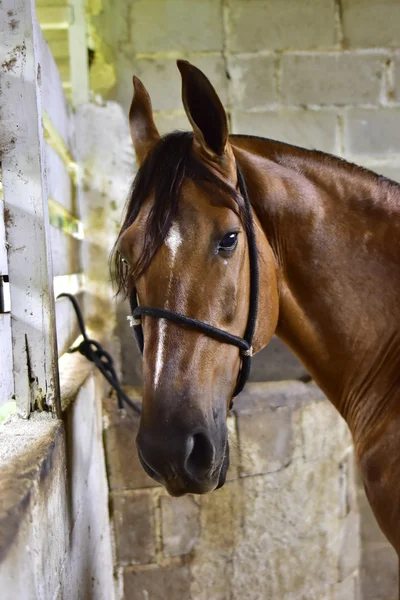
321, 74
285, 525
55, 540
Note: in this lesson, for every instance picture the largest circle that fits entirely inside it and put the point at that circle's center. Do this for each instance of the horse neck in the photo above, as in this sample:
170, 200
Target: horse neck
334, 231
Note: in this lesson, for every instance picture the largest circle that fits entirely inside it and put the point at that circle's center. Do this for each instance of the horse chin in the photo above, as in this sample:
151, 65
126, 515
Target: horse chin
224, 468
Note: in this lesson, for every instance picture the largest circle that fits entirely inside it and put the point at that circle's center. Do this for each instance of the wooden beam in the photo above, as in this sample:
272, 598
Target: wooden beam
34, 346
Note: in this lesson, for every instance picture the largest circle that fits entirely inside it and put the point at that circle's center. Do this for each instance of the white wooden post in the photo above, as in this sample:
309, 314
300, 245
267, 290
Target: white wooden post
78, 52
6, 369
25, 200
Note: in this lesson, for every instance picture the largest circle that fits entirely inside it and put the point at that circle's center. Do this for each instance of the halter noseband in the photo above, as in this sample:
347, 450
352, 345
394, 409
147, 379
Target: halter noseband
244, 344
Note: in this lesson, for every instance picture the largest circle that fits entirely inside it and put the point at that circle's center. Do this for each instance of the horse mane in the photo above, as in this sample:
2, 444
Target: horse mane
170, 162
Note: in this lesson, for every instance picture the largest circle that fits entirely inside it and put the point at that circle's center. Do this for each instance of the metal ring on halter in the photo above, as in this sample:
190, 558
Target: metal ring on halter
134, 321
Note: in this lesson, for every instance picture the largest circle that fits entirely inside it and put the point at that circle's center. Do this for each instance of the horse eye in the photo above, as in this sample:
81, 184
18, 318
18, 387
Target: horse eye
228, 242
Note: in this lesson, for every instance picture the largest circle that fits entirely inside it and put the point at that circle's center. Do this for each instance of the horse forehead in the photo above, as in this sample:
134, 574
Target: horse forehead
174, 239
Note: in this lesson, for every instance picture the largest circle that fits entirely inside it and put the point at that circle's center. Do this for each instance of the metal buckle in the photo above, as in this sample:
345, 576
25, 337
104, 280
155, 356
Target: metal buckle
133, 322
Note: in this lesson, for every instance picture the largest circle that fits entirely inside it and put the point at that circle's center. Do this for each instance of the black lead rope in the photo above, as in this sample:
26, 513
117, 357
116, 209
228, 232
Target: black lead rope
94, 352
245, 343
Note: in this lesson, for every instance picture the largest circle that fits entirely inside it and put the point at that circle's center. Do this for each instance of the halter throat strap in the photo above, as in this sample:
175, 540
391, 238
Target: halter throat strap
244, 344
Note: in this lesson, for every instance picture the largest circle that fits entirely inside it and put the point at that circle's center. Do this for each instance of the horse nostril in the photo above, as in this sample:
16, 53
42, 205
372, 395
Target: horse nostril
200, 454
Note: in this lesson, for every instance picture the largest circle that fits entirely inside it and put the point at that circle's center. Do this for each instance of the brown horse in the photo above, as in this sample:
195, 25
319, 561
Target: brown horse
328, 248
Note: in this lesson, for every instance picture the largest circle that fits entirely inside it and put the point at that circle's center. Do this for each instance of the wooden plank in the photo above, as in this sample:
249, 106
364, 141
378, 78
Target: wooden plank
53, 99
59, 184
6, 374
66, 323
54, 139
64, 220
34, 347
66, 253
58, 43
53, 17
79, 60
3, 248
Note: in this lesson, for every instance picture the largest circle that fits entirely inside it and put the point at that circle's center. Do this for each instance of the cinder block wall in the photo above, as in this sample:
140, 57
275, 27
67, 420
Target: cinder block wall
321, 74
285, 525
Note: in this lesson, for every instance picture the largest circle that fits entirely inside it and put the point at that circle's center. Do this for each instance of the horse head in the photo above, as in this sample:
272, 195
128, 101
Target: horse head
184, 248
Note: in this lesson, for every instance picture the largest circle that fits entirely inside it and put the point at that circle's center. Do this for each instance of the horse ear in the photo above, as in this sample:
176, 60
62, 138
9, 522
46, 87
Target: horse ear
204, 109
143, 129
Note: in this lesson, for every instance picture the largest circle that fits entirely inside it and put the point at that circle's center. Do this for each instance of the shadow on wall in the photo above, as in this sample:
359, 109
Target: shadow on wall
274, 363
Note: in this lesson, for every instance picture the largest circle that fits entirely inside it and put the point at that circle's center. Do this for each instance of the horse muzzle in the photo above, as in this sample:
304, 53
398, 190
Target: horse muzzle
195, 466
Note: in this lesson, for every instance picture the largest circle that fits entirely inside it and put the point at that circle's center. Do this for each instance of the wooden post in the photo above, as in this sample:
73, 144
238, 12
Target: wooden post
34, 346
78, 52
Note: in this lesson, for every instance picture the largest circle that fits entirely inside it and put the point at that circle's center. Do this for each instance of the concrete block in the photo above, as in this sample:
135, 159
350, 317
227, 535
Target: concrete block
167, 122
349, 589
396, 67
157, 583
350, 547
123, 467
211, 577
368, 23
348, 483
176, 26
134, 527
163, 82
266, 439
221, 515
234, 453
390, 169
258, 397
317, 420
253, 81
372, 132
379, 573
288, 538
332, 78
277, 25
304, 128
276, 363
370, 532
180, 525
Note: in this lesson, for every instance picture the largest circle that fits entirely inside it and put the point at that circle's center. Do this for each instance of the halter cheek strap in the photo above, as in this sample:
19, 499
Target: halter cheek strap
244, 344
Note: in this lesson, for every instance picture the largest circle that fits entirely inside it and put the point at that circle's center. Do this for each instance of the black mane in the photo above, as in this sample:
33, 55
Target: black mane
163, 172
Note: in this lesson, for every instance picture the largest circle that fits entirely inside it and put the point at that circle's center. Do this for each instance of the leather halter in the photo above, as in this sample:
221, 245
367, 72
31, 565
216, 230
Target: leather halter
244, 344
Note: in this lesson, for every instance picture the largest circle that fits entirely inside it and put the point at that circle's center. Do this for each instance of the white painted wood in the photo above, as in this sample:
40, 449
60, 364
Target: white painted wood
53, 17
34, 348
49, 80
6, 371
3, 249
66, 253
78, 52
59, 183
6, 365
67, 324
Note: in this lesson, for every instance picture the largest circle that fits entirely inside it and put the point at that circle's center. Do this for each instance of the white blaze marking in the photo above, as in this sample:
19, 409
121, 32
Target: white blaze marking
173, 241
